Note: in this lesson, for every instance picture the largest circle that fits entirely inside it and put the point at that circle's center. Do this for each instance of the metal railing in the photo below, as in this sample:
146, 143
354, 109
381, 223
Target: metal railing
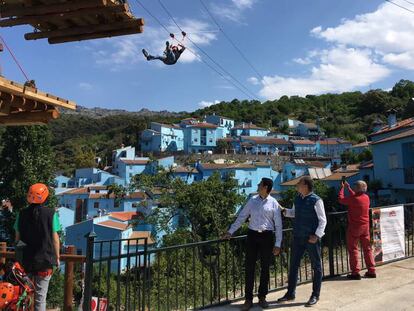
203, 274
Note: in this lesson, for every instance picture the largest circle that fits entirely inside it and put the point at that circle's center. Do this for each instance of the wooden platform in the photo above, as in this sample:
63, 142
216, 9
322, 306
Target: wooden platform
20, 105
62, 21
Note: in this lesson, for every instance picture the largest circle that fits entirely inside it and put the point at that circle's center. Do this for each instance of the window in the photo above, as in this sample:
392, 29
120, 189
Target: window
195, 139
210, 140
116, 204
392, 161
96, 205
64, 185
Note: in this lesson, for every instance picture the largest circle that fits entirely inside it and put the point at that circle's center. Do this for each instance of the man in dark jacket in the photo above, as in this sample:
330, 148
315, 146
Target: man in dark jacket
171, 54
37, 227
308, 228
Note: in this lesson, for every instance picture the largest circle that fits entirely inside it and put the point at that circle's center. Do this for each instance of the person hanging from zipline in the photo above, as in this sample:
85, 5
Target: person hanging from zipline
171, 53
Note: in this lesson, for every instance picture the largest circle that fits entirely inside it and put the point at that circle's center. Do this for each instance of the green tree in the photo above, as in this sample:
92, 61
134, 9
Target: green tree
26, 158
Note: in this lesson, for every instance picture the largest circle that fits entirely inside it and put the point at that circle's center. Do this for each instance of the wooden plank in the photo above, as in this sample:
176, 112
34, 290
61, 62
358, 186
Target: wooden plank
10, 11
12, 88
85, 30
29, 118
4, 107
106, 34
65, 15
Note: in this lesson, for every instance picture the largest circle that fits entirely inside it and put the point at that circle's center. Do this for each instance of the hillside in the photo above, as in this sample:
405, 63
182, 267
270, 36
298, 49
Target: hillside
81, 135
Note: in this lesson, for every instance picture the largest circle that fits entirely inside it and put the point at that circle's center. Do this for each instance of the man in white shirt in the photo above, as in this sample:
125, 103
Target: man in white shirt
264, 236
308, 228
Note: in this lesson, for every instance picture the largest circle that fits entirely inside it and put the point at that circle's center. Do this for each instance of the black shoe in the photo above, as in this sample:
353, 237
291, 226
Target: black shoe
312, 301
167, 43
286, 298
370, 275
263, 303
147, 56
353, 276
247, 305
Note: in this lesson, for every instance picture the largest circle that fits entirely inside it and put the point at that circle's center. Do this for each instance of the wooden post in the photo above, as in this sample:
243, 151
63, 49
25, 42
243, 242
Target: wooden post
3, 249
69, 280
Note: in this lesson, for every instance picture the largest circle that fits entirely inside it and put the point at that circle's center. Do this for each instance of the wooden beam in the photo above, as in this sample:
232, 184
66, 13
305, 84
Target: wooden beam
9, 87
4, 107
85, 30
64, 15
42, 9
99, 35
29, 118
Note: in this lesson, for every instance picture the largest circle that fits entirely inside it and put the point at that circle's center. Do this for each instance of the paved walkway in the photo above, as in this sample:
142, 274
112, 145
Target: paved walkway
393, 290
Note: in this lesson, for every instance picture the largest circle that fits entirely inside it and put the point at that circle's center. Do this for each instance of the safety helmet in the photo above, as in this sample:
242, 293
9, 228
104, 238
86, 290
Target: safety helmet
37, 194
6, 294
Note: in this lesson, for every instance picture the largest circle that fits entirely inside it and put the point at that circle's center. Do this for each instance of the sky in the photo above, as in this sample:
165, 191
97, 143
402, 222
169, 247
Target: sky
295, 48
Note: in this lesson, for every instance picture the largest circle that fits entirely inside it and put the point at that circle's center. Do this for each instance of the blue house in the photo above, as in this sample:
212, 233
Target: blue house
224, 124
200, 137
92, 201
94, 176
109, 228
186, 173
361, 147
300, 167
62, 183
291, 124
248, 175
162, 137
309, 130
66, 217
304, 147
261, 145
393, 158
248, 129
332, 147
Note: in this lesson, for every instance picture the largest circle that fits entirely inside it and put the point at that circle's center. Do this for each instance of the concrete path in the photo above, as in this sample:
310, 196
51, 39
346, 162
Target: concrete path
393, 290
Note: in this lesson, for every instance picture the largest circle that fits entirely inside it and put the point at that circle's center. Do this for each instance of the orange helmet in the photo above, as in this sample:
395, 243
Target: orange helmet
37, 194
6, 294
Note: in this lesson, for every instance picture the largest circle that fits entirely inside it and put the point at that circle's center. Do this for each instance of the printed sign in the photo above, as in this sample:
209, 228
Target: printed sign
103, 304
388, 229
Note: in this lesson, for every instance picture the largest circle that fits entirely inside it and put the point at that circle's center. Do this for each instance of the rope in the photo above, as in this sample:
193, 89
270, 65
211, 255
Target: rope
205, 53
192, 52
14, 58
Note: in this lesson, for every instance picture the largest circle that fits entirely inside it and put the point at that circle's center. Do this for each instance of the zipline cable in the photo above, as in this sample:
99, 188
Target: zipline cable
259, 75
205, 53
14, 58
400, 6
195, 54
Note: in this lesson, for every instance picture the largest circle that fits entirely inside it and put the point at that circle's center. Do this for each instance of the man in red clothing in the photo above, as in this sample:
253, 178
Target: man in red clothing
358, 228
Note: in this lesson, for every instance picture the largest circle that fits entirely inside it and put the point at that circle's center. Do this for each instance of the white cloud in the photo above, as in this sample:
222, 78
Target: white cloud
85, 86
362, 51
340, 69
388, 31
253, 80
205, 104
121, 52
243, 4
232, 11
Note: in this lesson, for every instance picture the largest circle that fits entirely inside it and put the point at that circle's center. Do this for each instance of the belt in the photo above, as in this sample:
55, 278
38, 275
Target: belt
45, 273
261, 231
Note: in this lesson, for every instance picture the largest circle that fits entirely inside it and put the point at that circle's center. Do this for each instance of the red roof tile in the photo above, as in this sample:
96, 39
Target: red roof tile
114, 225
407, 123
215, 166
126, 216
139, 237
302, 142
204, 125
363, 144
265, 140
404, 134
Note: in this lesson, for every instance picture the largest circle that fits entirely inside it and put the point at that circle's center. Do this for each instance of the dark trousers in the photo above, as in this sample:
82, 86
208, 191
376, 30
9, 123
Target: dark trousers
258, 245
300, 244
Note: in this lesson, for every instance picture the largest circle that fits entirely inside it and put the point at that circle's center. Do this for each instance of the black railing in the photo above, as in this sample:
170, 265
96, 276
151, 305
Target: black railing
202, 274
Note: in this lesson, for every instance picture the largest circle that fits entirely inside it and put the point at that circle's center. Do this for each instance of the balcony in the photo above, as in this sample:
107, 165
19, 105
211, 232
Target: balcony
409, 175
